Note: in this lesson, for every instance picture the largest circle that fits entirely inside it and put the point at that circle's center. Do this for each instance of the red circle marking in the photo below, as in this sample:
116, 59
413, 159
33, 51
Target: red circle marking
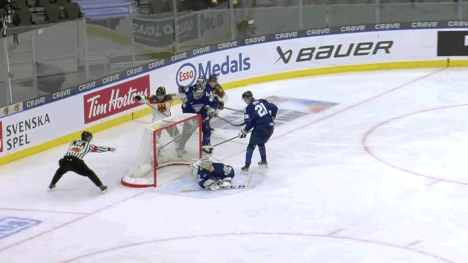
369, 151
266, 234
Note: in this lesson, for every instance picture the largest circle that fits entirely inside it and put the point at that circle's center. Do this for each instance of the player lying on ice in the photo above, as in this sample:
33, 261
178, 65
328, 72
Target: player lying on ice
213, 176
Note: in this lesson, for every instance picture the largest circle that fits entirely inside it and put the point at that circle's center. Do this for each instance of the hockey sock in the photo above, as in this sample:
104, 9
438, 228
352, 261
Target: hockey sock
206, 137
262, 150
249, 153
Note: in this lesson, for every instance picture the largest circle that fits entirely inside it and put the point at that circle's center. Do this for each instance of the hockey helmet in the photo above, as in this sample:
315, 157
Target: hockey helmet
161, 93
200, 88
213, 79
247, 97
86, 136
205, 163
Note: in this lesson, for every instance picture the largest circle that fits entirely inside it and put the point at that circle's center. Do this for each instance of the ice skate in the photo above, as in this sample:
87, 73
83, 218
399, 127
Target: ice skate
180, 153
208, 148
245, 169
51, 187
263, 163
103, 188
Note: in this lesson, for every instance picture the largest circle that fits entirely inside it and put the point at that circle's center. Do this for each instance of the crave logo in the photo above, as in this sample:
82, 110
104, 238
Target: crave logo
335, 51
1, 137
114, 99
188, 72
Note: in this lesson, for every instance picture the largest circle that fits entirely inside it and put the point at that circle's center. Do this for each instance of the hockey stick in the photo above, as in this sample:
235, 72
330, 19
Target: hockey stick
231, 187
225, 141
237, 125
233, 109
155, 109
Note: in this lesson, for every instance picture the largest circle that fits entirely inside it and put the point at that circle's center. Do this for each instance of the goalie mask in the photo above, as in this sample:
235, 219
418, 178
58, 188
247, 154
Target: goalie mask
205, 163
199, 89
86, 136
247, 97
161, 93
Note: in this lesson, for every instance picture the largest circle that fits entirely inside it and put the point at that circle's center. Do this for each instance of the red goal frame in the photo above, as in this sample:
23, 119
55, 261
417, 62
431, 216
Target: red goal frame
155, 150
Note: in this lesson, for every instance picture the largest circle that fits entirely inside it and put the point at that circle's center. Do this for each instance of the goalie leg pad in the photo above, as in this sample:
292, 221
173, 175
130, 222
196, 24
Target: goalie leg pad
212, 185
227, 181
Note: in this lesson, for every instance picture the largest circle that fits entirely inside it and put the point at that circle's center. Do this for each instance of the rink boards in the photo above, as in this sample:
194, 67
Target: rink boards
35, 125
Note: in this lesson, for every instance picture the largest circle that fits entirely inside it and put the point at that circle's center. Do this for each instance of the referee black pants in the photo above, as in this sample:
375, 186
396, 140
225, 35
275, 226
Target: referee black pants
73, 164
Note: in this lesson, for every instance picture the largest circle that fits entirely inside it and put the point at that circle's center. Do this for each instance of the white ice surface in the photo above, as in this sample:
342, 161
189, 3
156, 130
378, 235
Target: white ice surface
358, 182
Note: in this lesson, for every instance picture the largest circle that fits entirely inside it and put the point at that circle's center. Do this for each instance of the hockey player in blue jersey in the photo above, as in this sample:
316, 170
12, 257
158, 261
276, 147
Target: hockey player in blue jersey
212, 175
259, 115
199, 99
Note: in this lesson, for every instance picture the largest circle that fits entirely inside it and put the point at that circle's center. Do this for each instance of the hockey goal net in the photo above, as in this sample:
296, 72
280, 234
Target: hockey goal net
175, 140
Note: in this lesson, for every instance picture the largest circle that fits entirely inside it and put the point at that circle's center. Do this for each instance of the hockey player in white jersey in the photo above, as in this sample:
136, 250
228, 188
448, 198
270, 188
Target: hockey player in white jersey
161, 103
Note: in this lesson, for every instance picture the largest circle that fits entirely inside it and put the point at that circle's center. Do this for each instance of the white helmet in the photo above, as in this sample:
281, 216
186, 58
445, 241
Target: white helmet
200, 88
205, 163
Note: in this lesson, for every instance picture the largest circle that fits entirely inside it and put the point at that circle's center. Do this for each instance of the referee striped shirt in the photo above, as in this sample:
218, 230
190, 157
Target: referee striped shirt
79, 148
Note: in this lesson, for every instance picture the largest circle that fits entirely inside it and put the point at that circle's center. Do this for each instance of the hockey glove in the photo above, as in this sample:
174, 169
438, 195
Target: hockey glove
220, 105
210, 112
112, 149
138, 97
242, 134
181, 89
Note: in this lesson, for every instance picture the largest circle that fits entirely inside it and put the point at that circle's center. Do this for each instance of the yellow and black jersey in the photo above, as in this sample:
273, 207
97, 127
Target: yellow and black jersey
218, 90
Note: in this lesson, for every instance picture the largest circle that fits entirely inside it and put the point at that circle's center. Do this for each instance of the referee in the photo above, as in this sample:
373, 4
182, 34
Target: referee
73, 160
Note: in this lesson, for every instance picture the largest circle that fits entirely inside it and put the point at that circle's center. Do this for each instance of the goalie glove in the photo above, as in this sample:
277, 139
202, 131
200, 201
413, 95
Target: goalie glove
210, 112
212, 185
242, 134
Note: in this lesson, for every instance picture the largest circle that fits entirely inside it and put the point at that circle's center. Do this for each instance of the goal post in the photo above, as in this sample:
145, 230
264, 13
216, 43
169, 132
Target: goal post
173, 141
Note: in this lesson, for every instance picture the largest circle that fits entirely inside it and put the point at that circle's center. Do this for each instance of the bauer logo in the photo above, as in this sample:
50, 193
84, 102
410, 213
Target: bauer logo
334, 51
1, 137
188, 72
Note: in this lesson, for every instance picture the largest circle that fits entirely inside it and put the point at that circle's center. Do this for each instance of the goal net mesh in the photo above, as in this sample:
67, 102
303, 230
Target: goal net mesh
175, 140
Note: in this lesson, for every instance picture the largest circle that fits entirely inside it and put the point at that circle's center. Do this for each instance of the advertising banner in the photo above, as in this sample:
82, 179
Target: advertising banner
1, 137
452, 43
154, 33
114, 99
27, 129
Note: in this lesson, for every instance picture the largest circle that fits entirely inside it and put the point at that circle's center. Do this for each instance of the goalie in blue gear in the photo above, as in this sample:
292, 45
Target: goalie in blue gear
199, 99
213, 175
259, 115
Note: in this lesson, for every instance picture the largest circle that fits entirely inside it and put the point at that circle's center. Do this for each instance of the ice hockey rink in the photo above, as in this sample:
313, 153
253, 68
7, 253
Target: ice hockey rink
363, 168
